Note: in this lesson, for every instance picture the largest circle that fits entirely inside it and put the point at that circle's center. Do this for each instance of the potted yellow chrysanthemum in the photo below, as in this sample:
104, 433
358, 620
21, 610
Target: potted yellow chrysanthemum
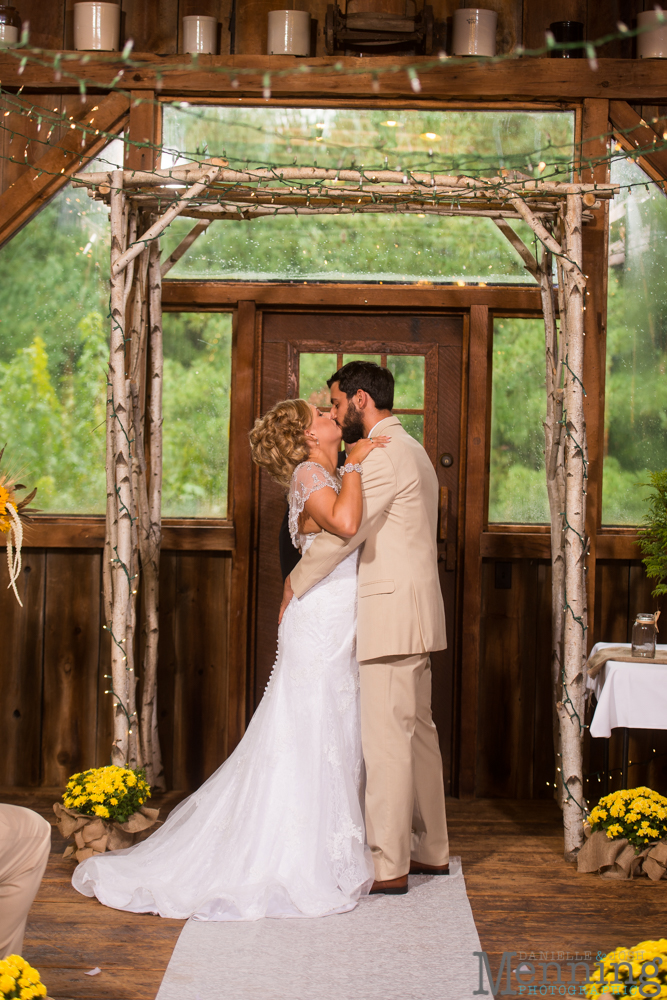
627, 835
631, 972
103, 809
18, 980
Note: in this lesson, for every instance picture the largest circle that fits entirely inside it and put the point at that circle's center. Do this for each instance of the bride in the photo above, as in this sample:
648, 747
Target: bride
278, 830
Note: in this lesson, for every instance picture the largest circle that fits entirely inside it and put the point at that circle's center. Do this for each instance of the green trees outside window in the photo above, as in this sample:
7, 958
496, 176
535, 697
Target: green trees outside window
54, 304
636, 384
517, 479
635, 437
382, 248
197, 380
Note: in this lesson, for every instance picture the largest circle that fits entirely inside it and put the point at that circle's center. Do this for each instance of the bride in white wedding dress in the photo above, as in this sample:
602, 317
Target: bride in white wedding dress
278, 830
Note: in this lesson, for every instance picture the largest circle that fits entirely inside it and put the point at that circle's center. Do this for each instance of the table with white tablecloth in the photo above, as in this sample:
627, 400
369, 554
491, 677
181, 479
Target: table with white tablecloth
629, 696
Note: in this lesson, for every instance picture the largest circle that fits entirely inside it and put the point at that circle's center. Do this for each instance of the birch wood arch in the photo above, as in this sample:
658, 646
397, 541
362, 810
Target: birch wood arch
142, 205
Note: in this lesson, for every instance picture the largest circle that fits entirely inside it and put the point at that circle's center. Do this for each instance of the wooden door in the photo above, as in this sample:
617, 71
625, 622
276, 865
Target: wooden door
425, 352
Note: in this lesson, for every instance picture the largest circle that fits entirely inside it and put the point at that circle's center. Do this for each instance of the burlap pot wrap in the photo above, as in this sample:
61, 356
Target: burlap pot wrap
93, 835
617, 859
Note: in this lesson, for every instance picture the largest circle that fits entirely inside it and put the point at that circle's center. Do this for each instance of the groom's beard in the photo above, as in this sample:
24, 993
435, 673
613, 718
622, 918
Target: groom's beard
353, 424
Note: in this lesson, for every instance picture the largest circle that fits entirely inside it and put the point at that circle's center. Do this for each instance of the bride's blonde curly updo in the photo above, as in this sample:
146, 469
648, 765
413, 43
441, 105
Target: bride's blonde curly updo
278, 439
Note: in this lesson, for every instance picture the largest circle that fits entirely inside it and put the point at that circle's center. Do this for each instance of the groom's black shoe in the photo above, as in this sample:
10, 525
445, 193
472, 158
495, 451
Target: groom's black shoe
391, 886
418, 868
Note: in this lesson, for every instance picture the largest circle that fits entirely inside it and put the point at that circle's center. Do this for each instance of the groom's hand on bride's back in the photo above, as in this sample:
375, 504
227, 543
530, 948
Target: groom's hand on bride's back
288, 594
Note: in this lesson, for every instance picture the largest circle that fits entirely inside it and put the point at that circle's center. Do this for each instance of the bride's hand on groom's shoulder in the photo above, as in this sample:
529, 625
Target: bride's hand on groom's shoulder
288, 594
364, 446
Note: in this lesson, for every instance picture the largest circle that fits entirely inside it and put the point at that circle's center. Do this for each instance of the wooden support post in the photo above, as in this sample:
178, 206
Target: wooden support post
475, 505
240, 491
144, 131
595, 169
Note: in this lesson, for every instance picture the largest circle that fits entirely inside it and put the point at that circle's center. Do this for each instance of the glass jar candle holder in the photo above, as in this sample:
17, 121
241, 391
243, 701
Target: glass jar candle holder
643, 636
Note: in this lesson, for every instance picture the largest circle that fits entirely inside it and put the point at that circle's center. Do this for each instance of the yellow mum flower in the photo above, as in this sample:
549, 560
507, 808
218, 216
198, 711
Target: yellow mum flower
101, 811
6, 983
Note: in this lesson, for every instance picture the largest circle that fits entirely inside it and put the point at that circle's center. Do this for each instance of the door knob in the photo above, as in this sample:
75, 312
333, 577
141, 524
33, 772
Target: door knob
447, 460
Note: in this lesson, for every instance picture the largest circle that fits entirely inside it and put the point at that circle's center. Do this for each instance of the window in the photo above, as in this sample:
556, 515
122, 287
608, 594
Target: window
54, 353
54, 301
636, 387
388, 247
407, 369
517, 478
196, 389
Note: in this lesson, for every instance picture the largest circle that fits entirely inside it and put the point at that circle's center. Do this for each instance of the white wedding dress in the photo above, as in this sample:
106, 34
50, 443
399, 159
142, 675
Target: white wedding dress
278, 830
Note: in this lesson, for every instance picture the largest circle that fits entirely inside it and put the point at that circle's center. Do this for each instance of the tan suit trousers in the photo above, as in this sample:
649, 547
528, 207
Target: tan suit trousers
405, 797
25, 842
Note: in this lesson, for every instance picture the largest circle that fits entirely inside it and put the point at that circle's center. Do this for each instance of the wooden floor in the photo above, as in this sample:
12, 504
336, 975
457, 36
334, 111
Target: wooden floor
524, 896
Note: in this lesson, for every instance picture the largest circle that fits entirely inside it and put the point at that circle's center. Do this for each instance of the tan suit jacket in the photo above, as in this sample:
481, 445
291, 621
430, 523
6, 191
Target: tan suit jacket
400, 609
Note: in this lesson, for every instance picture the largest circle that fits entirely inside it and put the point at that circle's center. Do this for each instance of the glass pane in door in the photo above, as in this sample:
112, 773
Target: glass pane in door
314, 370
414, 425
375, 358
408, 372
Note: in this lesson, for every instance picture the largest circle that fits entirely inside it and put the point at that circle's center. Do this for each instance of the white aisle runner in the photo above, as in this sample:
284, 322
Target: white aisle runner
414, 947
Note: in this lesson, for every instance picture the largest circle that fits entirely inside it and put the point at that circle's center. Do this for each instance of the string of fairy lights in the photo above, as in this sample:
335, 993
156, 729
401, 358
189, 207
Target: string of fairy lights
47, 121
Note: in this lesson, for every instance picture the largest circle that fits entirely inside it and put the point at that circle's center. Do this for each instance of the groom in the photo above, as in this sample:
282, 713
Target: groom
400, 620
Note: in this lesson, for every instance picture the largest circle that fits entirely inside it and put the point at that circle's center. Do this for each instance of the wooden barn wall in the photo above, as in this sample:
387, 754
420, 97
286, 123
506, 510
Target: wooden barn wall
515, 751
154, 25
54, 714
56, 718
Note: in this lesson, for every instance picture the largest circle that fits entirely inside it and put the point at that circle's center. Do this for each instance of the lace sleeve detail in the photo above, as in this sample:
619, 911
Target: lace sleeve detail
307, 478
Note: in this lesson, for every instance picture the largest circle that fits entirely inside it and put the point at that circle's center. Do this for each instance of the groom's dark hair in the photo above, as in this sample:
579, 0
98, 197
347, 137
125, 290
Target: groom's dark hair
376, 381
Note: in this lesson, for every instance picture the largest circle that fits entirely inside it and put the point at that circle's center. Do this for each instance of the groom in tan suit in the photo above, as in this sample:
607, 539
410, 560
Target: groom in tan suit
401, 619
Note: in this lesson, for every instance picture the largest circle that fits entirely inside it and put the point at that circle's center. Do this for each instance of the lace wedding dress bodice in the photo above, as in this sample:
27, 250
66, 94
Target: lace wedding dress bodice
307, 478
278, 830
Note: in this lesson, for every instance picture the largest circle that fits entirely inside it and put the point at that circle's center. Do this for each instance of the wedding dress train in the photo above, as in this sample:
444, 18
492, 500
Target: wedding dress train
278, 830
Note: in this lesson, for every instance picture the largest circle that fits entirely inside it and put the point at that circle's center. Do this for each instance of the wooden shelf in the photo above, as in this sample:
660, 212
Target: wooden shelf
555, 80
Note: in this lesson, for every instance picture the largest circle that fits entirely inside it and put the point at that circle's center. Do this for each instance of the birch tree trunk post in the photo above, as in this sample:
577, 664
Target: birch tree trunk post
121, 552
133, 748
151, 529
555, 473
111, 522
571, 703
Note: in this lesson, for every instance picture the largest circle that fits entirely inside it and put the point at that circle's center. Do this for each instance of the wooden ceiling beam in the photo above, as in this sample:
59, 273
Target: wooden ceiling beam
643, 81
36, 186
634, 134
